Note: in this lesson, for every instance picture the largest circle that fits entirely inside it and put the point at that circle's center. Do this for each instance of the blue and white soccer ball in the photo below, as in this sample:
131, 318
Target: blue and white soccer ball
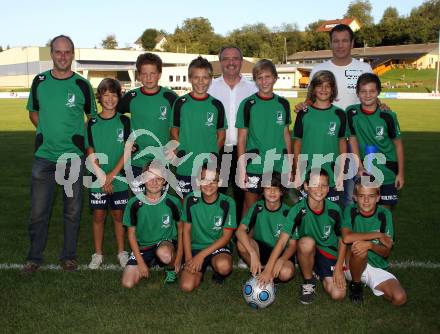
258, 297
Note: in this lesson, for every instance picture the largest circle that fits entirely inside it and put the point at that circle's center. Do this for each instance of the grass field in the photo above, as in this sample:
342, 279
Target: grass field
425, 79
94, 302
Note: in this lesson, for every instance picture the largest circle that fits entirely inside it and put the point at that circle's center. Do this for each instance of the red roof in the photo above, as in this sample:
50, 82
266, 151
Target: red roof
328, 25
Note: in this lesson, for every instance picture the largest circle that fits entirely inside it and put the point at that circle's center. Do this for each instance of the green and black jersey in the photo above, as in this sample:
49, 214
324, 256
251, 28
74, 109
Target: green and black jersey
323, 227
108, 136
375, 133
150, 112
61, 105
208, 219
198, 121
265, 224
320, 131
153, 222
380, 221
265, 120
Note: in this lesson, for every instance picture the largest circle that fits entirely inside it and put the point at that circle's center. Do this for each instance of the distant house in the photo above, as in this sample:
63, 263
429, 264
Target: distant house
328, 25
160, 43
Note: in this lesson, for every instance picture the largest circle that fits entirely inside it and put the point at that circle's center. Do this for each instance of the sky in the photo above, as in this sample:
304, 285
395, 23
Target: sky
88, 22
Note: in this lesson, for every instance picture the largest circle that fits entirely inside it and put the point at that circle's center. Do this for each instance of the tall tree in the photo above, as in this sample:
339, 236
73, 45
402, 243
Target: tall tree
316, 40
390, 15
361, 10
109, 42
148, 38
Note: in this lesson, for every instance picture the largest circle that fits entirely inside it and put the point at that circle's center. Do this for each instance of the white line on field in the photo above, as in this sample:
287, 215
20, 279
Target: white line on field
113, 267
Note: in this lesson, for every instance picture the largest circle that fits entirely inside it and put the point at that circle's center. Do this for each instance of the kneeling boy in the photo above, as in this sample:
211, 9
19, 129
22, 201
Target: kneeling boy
209, 223
368, 228
153, 229
259, 231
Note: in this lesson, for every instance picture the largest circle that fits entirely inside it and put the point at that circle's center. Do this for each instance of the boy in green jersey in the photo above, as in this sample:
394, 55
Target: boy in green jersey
368, 230
154, 229
198, 124
320, 132
105, 138
209, 223
263, 128
314, 223
375, 132
150, 109
259, 231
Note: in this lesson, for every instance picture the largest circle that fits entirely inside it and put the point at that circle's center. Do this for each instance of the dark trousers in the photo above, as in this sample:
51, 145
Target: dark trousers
238, 193
42, 190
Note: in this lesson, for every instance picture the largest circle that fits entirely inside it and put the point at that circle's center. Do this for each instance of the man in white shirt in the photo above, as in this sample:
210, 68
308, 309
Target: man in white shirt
231, 88
345, 68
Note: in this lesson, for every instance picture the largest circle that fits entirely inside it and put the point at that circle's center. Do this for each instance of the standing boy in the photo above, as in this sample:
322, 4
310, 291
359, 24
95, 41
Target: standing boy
198, 124
150, 109
375, 132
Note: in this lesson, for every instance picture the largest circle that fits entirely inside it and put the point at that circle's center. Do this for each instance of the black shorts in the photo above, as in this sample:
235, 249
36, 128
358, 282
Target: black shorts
101, 201
333, 194
149, 255
207, 260
388, 194
265, 250
184, 184
323, 265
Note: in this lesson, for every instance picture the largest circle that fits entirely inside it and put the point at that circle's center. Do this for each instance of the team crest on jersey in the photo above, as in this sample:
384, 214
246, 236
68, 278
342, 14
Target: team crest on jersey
209, 119
379, 132
280, 117
71, 100
218, 220
166, 221
332, 128
120, 135
327, 230
163, 113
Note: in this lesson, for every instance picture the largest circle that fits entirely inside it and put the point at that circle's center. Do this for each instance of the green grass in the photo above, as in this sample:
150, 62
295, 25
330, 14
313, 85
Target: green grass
397, 76
94, 302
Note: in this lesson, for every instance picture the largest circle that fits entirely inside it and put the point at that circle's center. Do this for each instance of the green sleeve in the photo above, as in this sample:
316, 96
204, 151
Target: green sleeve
30, 102
239, 121
93, 108
389, 224
346, 222
231, 221
290, 221
183, 216
247, 218
126, 219
396, 125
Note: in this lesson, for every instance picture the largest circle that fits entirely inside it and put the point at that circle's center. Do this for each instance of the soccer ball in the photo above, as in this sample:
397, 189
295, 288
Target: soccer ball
258, 297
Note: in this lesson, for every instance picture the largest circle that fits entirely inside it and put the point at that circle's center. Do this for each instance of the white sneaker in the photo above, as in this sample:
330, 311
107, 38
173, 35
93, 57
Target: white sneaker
96, 261
123, 258
242, 265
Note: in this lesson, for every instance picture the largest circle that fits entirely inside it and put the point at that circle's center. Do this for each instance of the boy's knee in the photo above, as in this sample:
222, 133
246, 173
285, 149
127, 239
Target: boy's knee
127, 283
338, 294
186, 286
306, 245
286, 273
399, 298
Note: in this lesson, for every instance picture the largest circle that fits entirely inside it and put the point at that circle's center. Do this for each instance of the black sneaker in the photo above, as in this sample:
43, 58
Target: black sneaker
356, 292
69, 265
218, 279
30, 267
308, 293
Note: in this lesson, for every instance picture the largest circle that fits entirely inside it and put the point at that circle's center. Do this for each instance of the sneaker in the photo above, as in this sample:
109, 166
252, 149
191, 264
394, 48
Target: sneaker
356, 292
218, 279
96, 261
308, 293
30, 267
123, 258
170, 276
242, 265
69, 265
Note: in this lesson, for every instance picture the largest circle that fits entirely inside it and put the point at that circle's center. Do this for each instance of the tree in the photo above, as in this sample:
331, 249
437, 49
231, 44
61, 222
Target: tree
109, 42
148, 38
316, 40
254, 40
361, 10
390, 15
196, 35
1, 48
